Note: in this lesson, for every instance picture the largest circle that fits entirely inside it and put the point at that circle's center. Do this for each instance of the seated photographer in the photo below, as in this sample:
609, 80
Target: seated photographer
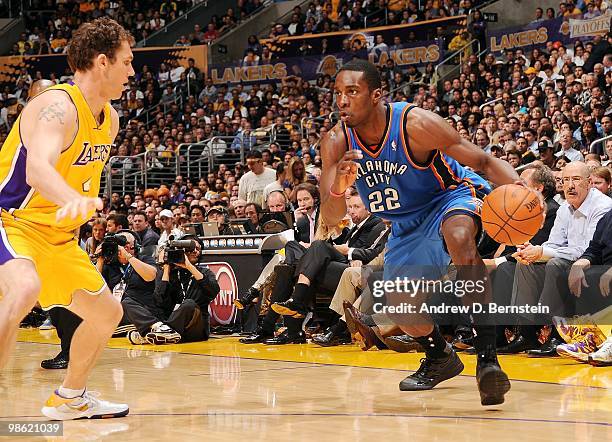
220, 215
137, 284
182, 294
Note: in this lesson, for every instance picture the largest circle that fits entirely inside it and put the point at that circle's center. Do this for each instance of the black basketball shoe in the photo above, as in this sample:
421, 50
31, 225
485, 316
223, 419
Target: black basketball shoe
432, 372
493, 383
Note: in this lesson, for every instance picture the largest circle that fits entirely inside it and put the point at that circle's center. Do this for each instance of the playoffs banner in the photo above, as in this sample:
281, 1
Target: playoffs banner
538, 34
593, 26
310, 67
332, 42
57, 64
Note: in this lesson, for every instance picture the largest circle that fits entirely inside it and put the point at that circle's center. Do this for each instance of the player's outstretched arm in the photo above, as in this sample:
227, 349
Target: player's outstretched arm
48, 125
428, 131
338, 173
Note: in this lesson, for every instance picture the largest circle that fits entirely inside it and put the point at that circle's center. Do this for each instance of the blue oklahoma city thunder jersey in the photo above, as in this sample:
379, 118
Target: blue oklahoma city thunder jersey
393, 184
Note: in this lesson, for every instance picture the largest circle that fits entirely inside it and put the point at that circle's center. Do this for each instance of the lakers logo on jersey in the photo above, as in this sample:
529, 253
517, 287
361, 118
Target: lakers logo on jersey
93, 152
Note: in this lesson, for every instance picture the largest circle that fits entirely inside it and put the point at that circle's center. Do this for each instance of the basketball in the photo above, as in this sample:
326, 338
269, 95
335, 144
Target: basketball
512, 214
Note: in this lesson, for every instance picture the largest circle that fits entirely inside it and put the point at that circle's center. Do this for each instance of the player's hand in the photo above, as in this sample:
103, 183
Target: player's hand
346, 171
604, 283
576, 280
81, 207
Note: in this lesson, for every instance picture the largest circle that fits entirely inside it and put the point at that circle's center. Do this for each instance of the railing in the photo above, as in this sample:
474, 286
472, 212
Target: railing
194, 158
453, 56
597, 141
124, 174
147, 112
488, 103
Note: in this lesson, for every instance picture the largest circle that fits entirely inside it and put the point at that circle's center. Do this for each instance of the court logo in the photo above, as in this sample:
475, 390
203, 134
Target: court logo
222, 310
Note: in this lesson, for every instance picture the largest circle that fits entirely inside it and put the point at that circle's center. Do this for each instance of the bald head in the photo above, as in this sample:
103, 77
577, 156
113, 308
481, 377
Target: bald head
39, 86
576, 168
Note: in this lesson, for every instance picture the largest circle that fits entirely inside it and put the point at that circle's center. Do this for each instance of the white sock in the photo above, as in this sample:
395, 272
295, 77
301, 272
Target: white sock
68, 393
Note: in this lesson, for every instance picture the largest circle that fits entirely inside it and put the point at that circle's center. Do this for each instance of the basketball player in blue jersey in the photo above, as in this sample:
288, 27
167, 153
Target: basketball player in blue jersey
50, 170
407, 165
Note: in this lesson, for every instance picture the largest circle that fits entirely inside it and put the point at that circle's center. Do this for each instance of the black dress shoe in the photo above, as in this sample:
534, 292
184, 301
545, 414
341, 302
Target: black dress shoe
402, 344
518, 345
547, 350
363, 334
247, 298
332, 337
463, 339
290, 308
286, 338
57, 363
255, 338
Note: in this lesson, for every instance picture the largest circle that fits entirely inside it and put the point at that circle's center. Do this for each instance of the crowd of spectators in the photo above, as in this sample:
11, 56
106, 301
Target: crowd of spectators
547, 105
337, 15
217, 26
49, 23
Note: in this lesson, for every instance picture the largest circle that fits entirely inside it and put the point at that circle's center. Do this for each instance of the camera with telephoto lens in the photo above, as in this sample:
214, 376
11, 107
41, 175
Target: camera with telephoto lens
176, 250
110, 246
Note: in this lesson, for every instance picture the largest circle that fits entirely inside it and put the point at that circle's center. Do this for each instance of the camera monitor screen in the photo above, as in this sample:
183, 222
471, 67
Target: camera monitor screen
202, 229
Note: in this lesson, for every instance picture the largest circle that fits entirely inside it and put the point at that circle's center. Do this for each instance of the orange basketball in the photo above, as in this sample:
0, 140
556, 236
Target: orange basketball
512, 214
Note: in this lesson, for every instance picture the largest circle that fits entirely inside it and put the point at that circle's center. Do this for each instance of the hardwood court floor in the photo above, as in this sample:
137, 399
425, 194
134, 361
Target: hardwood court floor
222, 390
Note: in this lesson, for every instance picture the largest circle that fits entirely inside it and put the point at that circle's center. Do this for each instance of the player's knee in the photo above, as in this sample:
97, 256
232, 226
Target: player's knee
461, 245
116, 313
22, 298
27, 292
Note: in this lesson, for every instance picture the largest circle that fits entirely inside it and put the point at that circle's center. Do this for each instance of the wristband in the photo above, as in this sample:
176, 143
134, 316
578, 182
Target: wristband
334, 194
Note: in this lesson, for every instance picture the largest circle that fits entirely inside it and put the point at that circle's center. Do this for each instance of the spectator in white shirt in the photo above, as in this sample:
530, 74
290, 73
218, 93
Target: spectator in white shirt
253, 183
541, 275
166, 220
566, 143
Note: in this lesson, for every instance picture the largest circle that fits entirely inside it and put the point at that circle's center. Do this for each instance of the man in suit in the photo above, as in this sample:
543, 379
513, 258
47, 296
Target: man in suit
323, 263
307, 218
541, 179
307, 213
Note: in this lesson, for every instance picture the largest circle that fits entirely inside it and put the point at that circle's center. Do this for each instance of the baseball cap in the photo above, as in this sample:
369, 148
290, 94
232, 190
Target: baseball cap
166, 213
544, 144
531, 70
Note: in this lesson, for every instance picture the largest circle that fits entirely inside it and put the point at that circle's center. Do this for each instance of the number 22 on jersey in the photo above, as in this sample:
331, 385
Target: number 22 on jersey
387, 199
